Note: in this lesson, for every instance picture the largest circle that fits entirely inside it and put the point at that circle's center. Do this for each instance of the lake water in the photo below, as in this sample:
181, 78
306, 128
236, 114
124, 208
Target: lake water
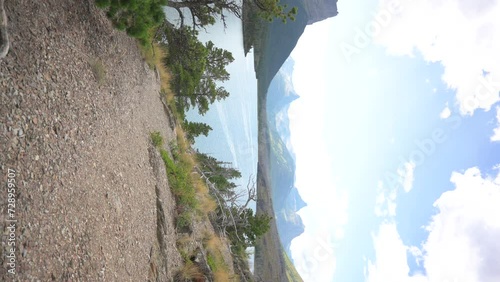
234, 120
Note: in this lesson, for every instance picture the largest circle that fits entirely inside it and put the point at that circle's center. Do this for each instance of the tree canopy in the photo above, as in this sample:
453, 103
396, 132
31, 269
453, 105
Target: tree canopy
234, 217
134, 16
271, 9
206, 12
195, 129
197, 68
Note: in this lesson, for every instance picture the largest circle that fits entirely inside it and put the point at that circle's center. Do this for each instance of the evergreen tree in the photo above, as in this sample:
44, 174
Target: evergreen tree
197, 68
136, 17
195, 129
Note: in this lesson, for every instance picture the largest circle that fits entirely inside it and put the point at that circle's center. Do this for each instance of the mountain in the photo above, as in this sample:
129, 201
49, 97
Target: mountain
318, 10
277, 194
272, 44
281, 93
286, 198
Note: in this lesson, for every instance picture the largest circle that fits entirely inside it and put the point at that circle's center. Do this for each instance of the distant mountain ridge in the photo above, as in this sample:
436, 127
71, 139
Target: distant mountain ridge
286, 198
272, 44
318, 10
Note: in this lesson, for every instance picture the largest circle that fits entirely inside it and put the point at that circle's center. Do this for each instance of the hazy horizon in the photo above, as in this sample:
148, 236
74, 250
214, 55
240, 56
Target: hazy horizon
396, 137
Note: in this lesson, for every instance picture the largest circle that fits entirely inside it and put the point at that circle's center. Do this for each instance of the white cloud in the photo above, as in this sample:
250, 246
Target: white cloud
463, 237
385, 201
391, 257
315, 258
446, 113
380, 200
227, 133
312, 251
462, 35
406, 174
496, 131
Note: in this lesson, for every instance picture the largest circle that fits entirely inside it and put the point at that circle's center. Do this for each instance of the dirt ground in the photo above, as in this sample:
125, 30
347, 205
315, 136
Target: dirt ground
77, 105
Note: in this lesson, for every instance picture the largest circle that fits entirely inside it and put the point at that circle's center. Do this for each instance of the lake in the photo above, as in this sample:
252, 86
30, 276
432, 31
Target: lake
234, 120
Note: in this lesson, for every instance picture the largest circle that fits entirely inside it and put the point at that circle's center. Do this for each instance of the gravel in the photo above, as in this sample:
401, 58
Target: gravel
86, 205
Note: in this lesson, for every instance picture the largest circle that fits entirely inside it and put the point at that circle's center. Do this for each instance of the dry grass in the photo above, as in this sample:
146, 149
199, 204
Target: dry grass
182, 141
154, 55
189, 272
184, 240
165, 75
200, 186
223, 276
214, 247
206, 202
212, 242
98, 70
148, 54
182, 245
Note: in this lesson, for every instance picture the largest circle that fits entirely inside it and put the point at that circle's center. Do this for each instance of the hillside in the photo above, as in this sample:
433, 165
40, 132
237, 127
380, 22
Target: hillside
275, 193
272, 44
286, 198
92, 199
270, 263
77, 106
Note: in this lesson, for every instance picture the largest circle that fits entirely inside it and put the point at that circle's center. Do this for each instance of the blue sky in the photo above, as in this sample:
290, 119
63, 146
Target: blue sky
396, 136
403, 100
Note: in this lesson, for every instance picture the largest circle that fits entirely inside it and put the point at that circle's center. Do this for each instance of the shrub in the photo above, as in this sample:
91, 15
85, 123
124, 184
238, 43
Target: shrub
157, 139
134, 16
189, 272
181, 184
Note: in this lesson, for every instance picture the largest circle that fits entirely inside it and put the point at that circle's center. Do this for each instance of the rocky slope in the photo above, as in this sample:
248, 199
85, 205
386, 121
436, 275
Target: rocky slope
77, 104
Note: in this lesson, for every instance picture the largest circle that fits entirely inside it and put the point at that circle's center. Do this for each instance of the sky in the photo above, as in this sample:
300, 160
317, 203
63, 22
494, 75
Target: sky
234, 120
396, 135
397, 142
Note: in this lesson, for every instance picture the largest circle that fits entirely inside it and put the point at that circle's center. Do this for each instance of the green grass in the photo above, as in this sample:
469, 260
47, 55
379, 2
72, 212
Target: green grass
181, 184
291, 272
157, 139
193, 200
148, 53
135, 17
212, 263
